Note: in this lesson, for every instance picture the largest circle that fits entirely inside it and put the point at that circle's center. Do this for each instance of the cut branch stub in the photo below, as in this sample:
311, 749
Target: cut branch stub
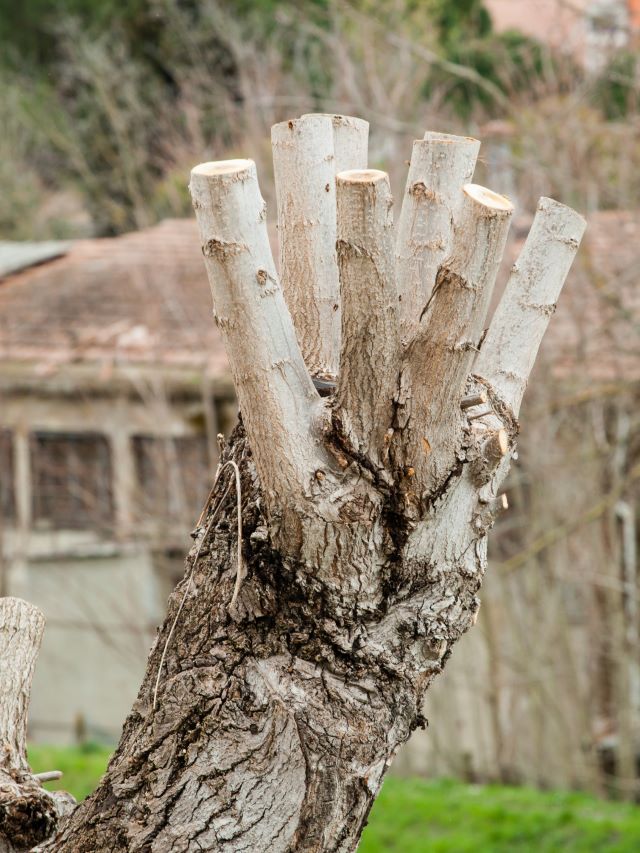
275, 391
21, 629
29, 815
305, 153
529, 300
439, 358
370, 353
440, 165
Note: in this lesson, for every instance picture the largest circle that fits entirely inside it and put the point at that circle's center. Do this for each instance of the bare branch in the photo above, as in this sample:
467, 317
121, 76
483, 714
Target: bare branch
521, 319
49, 776
440, 165
440, 357
304, 172
350, 141
276, 395
369, 354
473, 400
307, 152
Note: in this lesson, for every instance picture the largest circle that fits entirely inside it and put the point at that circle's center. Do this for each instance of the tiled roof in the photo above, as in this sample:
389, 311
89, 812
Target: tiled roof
144, 298
16, 256
138, 298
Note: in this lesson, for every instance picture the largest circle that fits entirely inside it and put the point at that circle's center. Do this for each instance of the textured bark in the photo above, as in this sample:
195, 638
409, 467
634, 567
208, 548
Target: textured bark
439, 358
370, 346
440, 165
298, 648
307, 153
276, 720
28, 813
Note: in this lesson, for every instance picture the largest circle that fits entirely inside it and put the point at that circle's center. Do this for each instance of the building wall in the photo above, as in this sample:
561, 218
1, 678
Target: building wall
102, 589
101, 611
587, 29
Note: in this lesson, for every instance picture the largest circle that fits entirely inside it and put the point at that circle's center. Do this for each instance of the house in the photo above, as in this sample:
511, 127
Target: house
113, 388
587, 29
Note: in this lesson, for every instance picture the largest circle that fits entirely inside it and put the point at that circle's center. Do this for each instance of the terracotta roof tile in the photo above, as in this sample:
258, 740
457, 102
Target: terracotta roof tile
142, 297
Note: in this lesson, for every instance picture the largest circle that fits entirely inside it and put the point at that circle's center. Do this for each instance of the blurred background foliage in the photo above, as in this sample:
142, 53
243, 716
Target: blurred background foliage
105, 104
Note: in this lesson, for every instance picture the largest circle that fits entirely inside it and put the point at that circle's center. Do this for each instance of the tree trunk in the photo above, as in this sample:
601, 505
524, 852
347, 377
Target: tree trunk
275, 719
344, 542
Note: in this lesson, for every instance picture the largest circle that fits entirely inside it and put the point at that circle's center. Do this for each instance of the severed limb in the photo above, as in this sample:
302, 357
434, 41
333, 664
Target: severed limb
350, 141
440, 165
510, 348
439, 359
305, 154
277, 398
370, 350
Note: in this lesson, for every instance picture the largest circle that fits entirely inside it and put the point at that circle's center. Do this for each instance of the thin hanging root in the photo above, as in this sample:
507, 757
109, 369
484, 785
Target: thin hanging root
239, 575
189, 585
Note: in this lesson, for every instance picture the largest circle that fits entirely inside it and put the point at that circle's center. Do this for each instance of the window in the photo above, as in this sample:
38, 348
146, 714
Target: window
71, 480
173, 475
7, 487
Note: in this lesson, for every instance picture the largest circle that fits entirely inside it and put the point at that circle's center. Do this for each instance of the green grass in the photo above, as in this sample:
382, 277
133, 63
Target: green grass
82, 766
415, 816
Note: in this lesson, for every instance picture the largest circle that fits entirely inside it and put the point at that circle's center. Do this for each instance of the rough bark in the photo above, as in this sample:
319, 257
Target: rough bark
294, 661
28, 813
307, 153
440, 166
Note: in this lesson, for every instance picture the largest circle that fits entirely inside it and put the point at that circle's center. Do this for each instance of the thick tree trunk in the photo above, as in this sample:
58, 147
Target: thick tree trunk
277, 718
341, 551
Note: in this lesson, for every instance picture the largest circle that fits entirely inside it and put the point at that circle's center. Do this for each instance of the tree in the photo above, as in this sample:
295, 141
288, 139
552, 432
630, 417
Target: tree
341, 550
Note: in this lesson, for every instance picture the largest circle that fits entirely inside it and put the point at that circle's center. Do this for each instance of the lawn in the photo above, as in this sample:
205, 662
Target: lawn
416, 816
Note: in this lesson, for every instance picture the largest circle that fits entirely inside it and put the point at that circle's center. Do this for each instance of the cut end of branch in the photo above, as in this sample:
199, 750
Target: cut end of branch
488, 198
472, 400
361, 176
550, 205
450, 138
339, 120
222, 167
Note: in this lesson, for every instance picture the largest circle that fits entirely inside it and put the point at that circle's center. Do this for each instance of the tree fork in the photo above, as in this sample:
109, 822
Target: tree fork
376, 431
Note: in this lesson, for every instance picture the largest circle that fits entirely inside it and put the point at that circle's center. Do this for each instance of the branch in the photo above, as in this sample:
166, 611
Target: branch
440, 357
369, 354
305, 152
350, 141
510, 348
28, 814
275, 392
21, 629
440, 165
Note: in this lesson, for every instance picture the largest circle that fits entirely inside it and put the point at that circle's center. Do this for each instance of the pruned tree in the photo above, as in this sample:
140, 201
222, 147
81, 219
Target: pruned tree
344, 542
